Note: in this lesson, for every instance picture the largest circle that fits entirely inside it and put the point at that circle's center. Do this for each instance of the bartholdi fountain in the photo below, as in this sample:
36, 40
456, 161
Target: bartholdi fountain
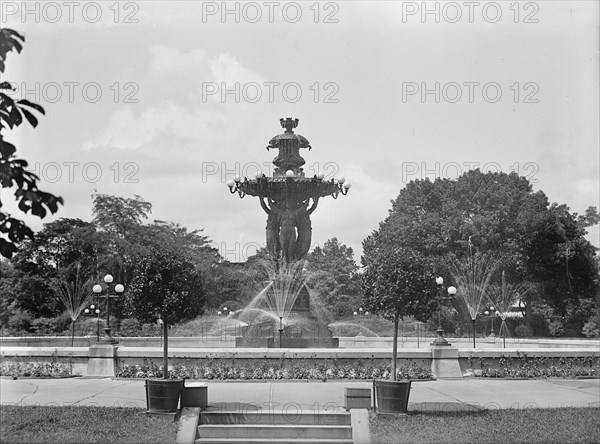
283, 314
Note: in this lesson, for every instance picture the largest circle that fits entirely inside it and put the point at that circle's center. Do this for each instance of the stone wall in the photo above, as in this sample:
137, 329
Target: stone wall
79, 357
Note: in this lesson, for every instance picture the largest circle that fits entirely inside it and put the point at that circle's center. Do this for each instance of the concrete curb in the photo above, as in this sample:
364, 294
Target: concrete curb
359, 418
188, 425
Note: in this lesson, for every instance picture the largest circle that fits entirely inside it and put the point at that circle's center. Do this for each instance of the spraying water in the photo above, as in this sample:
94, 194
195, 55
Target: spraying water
503, 297
472, 276
285, 309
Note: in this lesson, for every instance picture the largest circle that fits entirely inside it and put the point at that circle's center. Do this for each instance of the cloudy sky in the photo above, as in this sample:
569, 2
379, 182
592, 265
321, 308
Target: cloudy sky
169, 100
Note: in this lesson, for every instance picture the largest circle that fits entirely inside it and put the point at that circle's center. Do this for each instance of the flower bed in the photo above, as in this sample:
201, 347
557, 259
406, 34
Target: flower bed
523, 366
228, 369
52, 369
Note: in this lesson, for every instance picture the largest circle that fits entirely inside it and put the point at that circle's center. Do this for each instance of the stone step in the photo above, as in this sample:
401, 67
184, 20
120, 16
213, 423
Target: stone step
271, 441
274, 431
290, 417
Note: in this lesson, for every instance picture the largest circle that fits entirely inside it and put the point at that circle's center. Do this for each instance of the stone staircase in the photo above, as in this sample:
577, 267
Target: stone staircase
277, 426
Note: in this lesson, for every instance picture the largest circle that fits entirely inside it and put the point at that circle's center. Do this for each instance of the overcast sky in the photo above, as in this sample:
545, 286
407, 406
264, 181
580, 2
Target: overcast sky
169, 100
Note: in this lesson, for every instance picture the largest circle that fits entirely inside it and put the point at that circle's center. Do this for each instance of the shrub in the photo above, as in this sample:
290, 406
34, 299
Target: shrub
591, 328
130, 327
150, 330
52, 326
341, 309
88, 326
539, 325
556, 328
523, 331
570, 333
20, 322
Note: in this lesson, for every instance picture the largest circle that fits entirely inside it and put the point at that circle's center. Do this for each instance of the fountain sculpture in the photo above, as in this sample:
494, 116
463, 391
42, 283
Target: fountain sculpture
289, 198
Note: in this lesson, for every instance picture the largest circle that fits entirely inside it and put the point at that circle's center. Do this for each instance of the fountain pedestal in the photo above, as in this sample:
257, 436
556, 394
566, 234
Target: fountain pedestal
444, 362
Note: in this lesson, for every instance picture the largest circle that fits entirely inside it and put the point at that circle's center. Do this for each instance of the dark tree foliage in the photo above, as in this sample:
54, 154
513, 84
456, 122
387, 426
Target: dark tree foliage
119, 222
165, 285
119, 215
8, 294
116, 243
502, 216
58, 250
13, 173
333, 277
226, 282
60, 246
128, 243
537, 243
399, 283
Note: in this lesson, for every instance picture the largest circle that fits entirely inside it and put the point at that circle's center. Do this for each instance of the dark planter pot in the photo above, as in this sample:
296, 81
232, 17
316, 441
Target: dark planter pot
162, 395
391, 396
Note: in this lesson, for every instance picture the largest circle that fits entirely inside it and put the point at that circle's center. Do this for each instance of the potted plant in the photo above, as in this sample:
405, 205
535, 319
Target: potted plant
396, 283
165, 286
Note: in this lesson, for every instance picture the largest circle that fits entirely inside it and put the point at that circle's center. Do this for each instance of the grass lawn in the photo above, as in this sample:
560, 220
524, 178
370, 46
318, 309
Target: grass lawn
559, 425
82, 425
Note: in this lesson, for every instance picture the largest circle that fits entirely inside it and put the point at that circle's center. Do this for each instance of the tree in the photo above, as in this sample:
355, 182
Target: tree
227, 281
62, 250
12, 169
165, 286
61, 246
172, 236
119, 215
562, 260
398, 283
332, 274
119, 222
8, 294
538, 244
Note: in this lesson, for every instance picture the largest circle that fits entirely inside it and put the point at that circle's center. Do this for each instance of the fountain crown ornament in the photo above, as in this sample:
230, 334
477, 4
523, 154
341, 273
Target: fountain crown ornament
289, 124
289, 145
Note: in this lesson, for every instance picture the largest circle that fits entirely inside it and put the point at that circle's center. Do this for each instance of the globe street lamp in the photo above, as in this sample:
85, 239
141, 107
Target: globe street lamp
491, 313
91, 311
439, 340
360, 312
118, 288
223, 311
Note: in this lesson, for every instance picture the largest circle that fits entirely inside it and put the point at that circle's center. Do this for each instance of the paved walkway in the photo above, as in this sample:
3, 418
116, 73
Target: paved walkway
448, 395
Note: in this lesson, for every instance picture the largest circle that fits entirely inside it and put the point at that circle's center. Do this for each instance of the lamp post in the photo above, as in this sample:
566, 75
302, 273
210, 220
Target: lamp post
118, 288
439, 340
491, 313
280, 330
91, 311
